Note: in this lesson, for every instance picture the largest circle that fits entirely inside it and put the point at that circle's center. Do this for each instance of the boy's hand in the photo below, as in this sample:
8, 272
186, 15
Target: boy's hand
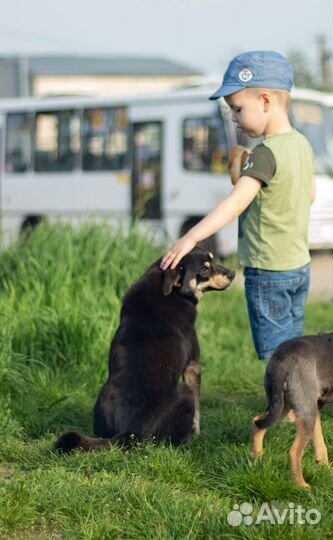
177, 252
238, 157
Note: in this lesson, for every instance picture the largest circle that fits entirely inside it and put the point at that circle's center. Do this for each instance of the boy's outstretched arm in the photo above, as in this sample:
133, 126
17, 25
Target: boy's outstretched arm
226, 211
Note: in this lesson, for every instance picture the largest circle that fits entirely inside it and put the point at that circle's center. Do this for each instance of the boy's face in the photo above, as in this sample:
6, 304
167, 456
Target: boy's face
249, 109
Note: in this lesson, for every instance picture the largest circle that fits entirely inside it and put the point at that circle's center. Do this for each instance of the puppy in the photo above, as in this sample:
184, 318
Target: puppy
238, 157
299, 376
155, 344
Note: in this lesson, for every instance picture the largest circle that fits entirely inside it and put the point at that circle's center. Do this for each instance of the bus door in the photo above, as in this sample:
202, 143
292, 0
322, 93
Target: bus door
147, 170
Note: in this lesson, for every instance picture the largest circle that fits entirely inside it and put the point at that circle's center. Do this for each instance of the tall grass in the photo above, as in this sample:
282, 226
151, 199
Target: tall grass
60, 296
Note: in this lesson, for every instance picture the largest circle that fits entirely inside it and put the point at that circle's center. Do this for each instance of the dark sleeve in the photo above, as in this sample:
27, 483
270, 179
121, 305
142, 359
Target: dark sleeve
260, 164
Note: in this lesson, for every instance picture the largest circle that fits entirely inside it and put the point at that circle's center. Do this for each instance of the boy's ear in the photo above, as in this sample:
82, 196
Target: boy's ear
238, 157
266, 99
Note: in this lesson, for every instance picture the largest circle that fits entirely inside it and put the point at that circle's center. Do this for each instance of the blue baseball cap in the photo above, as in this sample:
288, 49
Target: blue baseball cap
256, 69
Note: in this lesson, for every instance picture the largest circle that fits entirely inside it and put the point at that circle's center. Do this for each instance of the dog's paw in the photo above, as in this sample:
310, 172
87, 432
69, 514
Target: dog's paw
303, 485
255, 455
196, 428
323, 461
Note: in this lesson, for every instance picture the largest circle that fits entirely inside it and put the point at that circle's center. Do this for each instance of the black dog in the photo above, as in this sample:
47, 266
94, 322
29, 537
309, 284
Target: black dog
299, 377
154, 345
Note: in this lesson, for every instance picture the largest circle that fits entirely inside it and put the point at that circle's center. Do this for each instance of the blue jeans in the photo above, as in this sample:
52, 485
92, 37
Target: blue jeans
275, 302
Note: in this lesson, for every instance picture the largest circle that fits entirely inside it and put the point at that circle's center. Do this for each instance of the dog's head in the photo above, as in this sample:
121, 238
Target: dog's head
196, 274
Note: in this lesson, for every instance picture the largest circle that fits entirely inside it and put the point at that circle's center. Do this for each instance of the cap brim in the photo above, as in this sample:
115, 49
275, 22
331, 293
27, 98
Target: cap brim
226, 91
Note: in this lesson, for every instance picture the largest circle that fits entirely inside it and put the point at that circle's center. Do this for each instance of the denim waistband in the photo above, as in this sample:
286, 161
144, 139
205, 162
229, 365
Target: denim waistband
249, 270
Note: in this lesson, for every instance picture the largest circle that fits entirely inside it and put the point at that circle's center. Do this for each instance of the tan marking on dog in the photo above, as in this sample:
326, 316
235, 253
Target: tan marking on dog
318, 443
218, 282
193, 284
258, 435
296, 452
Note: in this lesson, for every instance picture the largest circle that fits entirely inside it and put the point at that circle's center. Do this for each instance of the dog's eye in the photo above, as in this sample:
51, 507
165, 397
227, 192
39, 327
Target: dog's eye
205, 270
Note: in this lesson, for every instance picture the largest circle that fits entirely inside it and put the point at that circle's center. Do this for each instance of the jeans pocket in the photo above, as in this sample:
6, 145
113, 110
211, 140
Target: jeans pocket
276, 300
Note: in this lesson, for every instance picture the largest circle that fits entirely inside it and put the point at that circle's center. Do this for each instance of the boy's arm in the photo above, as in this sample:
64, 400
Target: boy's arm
231, 207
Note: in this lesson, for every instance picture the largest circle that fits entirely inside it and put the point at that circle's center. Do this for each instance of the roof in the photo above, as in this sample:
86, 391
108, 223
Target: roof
106, 65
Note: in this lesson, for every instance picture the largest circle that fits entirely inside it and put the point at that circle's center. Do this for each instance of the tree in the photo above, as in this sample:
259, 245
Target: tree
302, 74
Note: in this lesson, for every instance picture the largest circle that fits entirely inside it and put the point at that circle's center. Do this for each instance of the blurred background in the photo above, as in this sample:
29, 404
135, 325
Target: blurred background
111, 47
120, 125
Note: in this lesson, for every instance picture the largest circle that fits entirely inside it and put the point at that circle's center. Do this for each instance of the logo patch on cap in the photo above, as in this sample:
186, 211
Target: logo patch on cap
245, 75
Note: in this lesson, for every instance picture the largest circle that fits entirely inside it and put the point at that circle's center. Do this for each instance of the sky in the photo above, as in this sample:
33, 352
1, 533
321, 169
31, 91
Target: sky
203, 34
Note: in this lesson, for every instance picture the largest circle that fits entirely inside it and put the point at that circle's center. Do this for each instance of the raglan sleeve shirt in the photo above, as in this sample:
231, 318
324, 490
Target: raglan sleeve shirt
260, 164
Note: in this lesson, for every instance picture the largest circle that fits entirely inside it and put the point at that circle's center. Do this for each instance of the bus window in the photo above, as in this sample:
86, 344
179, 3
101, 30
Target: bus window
205, 145
308, 118
57, 141
18, 143
105, 139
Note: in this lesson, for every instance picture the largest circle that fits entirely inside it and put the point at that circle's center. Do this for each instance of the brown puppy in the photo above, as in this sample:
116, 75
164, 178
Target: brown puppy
299, 377
155, 344
238, 157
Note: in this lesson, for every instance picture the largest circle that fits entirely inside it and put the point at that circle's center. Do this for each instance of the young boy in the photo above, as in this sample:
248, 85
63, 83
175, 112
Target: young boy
272, 198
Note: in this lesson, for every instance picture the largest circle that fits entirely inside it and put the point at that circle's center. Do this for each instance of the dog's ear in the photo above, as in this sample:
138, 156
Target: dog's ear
189, 283
171, 280
238, 157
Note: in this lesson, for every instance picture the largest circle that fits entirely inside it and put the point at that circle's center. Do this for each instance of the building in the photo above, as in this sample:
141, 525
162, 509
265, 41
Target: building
108, 75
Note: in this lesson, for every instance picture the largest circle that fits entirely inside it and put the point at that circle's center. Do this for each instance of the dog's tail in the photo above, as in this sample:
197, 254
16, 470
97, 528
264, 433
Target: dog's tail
71, 440
274, 386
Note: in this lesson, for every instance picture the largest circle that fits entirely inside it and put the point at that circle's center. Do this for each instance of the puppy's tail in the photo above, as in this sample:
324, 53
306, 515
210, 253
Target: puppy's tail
274, 386
273, 414
71, 440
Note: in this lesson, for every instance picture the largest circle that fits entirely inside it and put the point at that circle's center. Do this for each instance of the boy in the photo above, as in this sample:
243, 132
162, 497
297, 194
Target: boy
272, 198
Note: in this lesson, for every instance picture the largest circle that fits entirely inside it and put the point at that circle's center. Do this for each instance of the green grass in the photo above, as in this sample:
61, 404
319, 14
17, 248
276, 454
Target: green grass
60, 295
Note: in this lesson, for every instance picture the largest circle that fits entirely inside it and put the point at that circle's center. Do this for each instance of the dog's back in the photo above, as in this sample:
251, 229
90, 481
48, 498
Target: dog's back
300, 371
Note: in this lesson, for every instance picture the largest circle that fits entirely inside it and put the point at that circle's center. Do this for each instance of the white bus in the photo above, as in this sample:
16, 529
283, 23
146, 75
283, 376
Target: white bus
161, 160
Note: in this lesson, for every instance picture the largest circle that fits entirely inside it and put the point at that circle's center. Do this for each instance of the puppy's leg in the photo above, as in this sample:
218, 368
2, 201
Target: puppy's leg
258, 435
305, 430
319, 446
177, 426
192, 377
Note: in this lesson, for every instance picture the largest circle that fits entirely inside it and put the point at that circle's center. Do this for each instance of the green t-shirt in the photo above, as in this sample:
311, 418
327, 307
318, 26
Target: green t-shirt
273, 230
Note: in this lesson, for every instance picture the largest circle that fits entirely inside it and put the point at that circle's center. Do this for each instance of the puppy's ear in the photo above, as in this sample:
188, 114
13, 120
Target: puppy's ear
189, 283
238, 157
171, 280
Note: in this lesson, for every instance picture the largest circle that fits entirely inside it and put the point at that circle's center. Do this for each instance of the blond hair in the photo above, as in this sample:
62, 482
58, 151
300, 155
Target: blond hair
282, 96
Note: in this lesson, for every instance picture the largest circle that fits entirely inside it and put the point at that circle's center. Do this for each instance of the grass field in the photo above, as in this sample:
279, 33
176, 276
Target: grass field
60, 294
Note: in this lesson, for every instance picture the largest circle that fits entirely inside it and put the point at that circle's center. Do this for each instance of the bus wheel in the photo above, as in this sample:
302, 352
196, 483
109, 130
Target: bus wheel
209, 243
29, 224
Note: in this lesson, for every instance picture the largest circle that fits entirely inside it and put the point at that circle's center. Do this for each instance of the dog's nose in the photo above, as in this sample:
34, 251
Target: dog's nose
230, 274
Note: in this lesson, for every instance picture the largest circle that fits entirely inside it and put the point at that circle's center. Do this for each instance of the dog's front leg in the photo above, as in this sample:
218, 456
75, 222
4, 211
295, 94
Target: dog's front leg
192, 377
